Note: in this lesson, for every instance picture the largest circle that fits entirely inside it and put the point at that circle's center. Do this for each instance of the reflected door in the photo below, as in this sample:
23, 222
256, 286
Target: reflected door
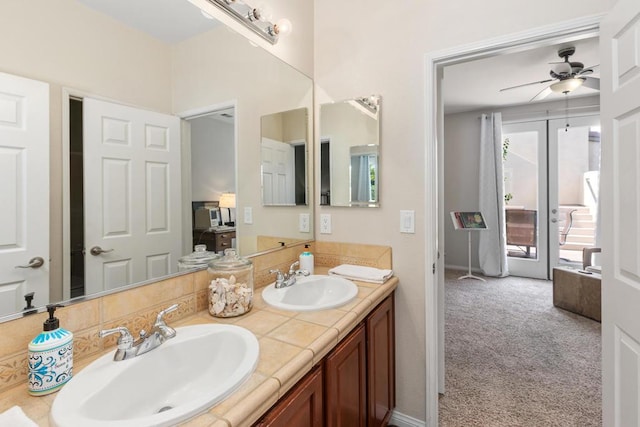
132, 195
278, 173
24, 192
525, 182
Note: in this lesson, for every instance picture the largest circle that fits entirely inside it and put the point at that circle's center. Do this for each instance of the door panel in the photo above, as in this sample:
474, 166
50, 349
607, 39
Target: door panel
24, 191
525, 179
620, 195
278, 173
130, 152
573, 155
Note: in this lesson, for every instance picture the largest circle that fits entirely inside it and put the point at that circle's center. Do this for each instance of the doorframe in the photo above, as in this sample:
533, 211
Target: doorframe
185, 155
433, 157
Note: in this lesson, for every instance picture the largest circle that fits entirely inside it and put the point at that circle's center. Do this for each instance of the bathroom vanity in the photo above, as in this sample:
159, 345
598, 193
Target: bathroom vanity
336, 358
356, 379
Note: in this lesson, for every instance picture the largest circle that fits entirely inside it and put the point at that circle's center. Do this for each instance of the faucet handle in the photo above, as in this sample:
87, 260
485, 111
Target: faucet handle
161, 314
125, 340
278, 273
293, 266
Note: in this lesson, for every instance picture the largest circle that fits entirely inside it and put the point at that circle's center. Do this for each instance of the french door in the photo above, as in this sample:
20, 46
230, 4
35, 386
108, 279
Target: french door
551, 173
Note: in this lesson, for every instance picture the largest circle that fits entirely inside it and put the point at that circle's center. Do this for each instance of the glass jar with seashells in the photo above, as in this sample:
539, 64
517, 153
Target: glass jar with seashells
231, 288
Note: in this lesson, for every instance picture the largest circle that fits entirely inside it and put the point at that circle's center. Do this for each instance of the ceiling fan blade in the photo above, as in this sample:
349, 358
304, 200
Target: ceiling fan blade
591, 82
527, 84
542, 94
588, 70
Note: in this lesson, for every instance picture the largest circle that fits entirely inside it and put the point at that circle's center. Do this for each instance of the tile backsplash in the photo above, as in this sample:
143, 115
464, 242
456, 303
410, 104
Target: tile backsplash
137, 308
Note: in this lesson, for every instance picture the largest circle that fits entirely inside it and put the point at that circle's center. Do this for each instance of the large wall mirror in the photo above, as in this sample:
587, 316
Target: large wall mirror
106, 75
350, 152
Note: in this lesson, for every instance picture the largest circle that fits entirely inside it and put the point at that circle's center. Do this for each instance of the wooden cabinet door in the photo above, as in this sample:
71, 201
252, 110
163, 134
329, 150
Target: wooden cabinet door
345, 382
381, 363
301, 407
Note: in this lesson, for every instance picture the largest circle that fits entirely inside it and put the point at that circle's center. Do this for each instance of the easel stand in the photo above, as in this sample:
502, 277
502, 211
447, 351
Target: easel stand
470, 275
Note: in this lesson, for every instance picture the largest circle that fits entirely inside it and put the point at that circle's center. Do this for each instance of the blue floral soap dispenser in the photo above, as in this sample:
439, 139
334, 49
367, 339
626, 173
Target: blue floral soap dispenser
50, 357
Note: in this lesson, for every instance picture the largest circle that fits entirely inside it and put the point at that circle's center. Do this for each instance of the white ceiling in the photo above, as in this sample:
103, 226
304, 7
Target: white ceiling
476, 85
168, 20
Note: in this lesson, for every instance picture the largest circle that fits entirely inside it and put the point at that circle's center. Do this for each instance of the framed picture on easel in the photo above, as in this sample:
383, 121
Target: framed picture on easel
469, 221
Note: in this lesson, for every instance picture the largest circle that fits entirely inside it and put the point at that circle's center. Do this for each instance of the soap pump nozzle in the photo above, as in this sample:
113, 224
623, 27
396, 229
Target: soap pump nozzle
52, 322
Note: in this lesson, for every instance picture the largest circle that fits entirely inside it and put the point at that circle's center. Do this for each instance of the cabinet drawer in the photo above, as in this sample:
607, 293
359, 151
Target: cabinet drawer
224, 240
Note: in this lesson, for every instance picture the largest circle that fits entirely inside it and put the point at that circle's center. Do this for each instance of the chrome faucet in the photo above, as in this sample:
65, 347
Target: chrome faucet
287, 279
128, 347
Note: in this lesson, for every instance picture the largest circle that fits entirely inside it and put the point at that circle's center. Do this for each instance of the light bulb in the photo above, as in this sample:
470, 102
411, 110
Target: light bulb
266, 12
283, 27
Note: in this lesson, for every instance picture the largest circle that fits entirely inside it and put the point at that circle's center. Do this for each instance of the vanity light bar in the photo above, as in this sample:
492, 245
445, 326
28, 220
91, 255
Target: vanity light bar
250, 17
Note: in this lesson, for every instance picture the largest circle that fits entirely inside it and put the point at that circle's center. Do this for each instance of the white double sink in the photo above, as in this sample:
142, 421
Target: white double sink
197, 369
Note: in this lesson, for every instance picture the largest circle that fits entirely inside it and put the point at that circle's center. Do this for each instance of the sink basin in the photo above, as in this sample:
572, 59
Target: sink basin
311, 293
195, 370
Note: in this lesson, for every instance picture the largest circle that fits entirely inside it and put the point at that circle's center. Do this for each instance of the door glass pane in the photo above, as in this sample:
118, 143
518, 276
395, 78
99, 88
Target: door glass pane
578, 190
520, 156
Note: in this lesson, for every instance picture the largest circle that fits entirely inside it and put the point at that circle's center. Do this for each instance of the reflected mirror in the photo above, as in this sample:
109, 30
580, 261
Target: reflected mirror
350, 152
186, 92
283, 146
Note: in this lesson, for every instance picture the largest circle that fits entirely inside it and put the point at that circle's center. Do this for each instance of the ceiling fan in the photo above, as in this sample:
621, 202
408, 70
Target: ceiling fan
565, 75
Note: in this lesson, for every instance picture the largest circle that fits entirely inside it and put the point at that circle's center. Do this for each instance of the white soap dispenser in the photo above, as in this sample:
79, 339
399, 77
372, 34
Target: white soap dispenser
306, 260
50, 357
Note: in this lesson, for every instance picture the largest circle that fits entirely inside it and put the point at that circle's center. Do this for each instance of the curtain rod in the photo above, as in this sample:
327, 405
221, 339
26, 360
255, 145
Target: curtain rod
556, 110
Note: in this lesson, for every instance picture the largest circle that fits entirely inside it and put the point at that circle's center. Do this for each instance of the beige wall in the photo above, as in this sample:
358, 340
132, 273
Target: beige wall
379, 47
297, 48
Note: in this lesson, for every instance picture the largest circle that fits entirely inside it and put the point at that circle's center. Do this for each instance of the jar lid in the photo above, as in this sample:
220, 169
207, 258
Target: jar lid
230, 261
200, 256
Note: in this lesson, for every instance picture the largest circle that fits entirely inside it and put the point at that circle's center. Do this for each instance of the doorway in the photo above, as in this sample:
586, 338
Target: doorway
434, 193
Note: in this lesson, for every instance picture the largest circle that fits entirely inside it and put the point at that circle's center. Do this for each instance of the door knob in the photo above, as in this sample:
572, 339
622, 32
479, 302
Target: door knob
554, 210
554, 220
97, 250
36, 262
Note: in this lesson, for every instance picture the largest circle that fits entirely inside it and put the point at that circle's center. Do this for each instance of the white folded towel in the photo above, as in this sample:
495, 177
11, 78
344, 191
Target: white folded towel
15, 417
359, 272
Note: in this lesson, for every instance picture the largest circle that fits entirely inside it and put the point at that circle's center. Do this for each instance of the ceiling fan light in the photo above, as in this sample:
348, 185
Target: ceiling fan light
566, 85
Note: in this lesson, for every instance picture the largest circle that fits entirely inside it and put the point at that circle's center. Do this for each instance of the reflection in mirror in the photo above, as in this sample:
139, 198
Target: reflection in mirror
350, 152
82, 67
284, 158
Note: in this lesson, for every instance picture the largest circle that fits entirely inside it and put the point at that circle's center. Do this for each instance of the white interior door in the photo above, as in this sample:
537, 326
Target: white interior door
131, 165
620, 199
278, 173
525, 172
24, 192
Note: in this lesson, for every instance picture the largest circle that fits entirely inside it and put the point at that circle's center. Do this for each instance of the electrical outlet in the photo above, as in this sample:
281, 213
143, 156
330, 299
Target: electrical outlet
325, 223
407, 221
248, 215
303, 225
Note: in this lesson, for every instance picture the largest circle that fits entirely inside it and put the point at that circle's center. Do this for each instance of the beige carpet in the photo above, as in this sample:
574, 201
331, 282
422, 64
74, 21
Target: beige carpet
513, 359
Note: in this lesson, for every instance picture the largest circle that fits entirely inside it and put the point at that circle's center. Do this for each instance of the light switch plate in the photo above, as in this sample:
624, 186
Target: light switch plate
303, 225
325, 223
248, 215
407, 221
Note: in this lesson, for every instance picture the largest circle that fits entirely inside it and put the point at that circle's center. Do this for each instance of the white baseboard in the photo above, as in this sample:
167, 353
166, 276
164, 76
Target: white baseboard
402, 420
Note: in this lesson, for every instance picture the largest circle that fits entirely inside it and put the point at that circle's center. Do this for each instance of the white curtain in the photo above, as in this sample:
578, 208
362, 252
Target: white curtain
492, 242
360, 179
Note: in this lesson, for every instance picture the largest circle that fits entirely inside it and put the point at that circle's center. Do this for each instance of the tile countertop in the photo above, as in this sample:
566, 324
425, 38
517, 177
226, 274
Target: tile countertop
291, 343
